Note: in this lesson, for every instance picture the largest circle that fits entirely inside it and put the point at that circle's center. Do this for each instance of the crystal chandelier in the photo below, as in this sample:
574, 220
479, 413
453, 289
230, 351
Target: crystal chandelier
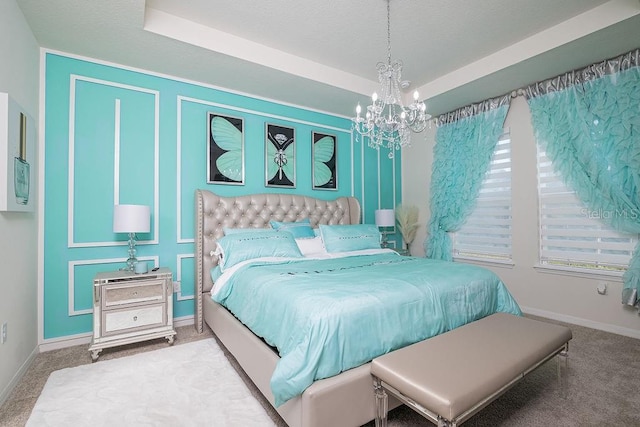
387, 121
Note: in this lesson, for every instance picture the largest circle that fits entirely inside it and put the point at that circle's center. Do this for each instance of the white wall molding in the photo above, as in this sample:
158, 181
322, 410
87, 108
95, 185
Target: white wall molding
74, 79
85, 339
18, 376
179, 322
179, 258
614, 329
51, 344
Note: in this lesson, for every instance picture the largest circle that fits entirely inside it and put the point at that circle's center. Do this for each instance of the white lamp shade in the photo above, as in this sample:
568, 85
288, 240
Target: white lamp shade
385, 218
131, 219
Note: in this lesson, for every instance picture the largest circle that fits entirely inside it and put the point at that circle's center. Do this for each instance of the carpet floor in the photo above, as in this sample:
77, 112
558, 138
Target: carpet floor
602, 389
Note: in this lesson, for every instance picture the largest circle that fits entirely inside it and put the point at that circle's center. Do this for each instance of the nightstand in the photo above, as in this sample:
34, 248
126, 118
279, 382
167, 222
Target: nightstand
130, 307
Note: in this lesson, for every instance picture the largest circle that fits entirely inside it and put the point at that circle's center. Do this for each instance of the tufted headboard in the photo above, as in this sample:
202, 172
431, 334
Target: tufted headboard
214, 212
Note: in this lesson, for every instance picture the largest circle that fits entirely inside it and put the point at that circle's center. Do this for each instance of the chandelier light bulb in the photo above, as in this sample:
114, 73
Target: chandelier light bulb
358, 109
416, 95
374, 97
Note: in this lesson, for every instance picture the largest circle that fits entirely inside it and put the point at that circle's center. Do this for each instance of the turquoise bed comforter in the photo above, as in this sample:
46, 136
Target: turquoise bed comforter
327, 316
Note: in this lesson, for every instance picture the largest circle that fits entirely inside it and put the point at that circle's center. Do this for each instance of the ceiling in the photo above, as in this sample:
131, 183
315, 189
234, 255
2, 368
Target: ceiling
322, 54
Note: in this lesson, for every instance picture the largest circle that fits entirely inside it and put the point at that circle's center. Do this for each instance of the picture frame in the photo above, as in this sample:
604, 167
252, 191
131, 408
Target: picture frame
280, 156
17, 157
225, 149
324, 174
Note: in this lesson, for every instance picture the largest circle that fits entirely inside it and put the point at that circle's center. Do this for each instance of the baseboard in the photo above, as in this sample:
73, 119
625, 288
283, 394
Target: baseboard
183, 321
619, 330
85, 339
64, 342
18, 376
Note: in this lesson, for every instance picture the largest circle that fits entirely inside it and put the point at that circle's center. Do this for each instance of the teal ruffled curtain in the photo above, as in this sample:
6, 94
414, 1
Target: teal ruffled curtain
465, 142
588, 121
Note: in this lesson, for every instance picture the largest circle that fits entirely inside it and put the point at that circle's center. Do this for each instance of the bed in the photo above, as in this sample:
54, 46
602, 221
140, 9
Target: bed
344, 398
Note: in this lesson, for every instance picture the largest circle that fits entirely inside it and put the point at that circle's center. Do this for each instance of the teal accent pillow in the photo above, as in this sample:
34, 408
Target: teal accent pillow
356, 237
237, 247
300, 229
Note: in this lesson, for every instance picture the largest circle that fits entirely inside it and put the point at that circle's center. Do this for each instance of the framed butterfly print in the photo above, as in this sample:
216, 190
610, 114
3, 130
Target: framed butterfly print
280, 156
225, 160
323, 161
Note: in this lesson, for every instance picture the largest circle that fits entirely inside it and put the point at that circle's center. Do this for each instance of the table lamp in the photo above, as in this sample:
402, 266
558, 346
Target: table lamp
131, 219
385, 218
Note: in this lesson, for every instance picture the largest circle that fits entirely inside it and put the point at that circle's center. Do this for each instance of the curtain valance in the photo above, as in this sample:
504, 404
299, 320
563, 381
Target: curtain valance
473, 109
577, 77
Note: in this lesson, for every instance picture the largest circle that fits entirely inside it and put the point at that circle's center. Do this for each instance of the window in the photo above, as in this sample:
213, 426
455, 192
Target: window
487, 233
573, 237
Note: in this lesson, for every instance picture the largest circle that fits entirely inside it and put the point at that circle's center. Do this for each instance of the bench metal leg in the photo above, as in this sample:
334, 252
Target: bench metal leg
445, 423
563, 365
382, 403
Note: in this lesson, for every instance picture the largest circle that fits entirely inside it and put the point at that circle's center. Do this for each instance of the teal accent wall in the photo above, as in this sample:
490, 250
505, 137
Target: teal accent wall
115, 135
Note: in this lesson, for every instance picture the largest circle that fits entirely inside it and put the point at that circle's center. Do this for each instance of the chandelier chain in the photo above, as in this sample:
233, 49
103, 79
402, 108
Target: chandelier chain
389, 32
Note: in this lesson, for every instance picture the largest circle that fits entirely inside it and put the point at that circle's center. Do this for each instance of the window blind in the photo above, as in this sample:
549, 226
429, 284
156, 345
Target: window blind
573, 236
487, 233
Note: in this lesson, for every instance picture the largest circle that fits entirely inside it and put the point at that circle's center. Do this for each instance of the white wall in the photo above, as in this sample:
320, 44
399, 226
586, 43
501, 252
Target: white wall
572, 299
19, 77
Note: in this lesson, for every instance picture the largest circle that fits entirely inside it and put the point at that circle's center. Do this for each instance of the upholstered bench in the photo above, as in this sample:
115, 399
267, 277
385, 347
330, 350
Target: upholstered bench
450, 377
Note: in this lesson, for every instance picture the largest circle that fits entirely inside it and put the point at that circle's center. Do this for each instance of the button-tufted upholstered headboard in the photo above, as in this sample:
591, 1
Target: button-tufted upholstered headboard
214, 212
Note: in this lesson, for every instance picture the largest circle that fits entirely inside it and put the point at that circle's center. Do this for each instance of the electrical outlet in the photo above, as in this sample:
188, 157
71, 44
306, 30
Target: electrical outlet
176, 287
3, 335
602, 288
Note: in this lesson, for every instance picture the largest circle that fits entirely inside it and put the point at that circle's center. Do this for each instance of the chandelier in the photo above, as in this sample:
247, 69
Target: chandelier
387, 121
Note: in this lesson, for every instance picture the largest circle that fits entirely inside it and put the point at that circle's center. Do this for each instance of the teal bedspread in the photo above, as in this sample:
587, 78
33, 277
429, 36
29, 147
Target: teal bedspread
327, 316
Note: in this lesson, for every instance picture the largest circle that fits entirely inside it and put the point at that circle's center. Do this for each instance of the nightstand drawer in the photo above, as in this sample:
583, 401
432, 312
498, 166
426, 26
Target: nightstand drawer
116, 321
148, 291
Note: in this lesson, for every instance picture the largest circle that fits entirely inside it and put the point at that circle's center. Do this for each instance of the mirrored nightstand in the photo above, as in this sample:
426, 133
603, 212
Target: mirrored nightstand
130, 307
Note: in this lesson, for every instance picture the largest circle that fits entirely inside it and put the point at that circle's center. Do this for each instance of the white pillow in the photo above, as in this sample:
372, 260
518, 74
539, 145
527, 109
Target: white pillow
311, 247
237, 247
350, 237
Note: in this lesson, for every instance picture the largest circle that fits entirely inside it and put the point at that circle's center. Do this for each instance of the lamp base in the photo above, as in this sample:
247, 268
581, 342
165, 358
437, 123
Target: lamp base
131, 261
131, 264
385, 243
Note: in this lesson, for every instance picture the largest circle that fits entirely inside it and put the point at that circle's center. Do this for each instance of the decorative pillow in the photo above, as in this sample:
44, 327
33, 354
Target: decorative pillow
238, 247
311, 246
300, 229
356, 237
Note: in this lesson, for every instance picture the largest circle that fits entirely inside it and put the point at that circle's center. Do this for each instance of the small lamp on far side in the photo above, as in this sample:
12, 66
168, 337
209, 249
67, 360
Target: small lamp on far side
131, 219
385, 218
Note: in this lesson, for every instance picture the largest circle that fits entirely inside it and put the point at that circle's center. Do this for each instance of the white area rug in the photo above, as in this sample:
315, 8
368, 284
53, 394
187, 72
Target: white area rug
189, 384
